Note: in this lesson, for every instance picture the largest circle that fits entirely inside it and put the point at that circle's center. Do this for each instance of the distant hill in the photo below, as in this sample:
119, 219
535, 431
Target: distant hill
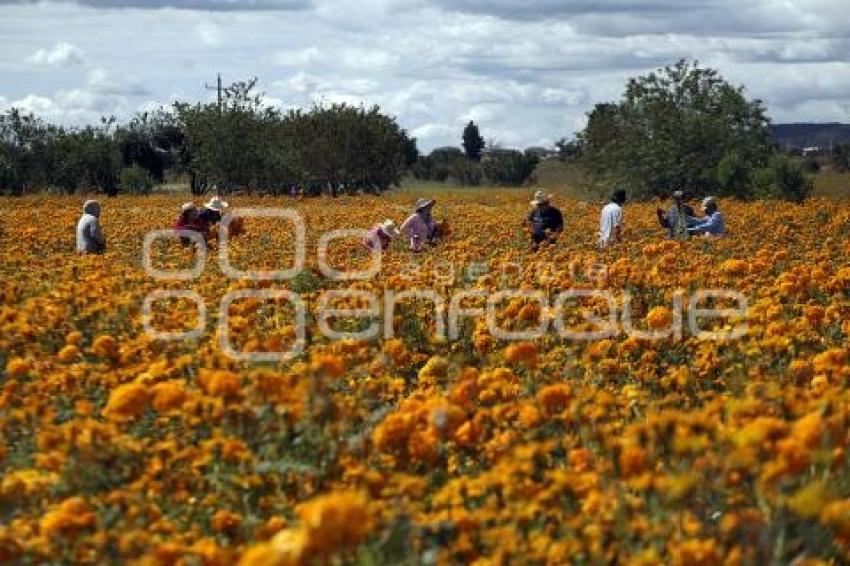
806, 135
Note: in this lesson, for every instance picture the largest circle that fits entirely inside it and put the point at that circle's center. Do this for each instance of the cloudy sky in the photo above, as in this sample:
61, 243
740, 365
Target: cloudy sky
526, 70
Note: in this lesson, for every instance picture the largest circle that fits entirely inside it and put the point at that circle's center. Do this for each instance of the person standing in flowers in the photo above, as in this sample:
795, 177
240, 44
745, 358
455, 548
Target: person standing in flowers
381, 235
420, 226
676, 219
611, 220
90, 238
215, 211
712, 224
190, 220
546, 221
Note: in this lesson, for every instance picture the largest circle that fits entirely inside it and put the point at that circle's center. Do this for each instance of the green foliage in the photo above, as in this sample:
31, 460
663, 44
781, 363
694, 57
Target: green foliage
473, 143
671, 131
241, 144
136, 180
733, 175
841, 157
783, 178
497, 167
509, 167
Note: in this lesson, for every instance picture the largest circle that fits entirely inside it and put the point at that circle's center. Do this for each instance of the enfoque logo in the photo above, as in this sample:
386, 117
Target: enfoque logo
378, 310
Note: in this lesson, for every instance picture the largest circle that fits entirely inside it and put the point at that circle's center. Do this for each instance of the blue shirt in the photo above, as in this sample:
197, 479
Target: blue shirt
713, 225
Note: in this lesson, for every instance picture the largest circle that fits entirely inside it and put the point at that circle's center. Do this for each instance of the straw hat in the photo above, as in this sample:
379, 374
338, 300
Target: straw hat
424, 203
708, 201
187, 206
540, 197
215, 203
388, 227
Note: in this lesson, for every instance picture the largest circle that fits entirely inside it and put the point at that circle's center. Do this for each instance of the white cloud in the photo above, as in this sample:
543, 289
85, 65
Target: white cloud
209, 33
60, 55
525, 72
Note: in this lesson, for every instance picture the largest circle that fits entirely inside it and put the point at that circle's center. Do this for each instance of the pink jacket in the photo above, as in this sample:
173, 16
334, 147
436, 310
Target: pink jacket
418, 229
377, 239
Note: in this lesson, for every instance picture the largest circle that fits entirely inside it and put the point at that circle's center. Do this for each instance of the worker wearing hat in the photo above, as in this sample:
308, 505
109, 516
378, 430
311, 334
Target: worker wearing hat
420, 226
213, 210
675, 220
712, 224
545, 220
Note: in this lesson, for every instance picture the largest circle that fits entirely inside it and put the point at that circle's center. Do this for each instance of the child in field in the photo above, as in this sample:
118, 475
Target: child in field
90, 238
381, 235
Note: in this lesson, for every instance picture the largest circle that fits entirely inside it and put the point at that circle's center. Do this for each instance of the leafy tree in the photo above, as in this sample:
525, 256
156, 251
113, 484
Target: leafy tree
473, 143
567, 148
136, 180
509, 167
782, 178
671, 131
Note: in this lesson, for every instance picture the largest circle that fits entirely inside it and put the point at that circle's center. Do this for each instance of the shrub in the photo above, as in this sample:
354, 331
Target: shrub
782, 179
136, 180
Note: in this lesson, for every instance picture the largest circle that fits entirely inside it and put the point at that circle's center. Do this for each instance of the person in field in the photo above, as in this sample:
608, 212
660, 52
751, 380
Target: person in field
611, 220
216, 211
213, 210
712, 223
190, 220
381, 235
90, 238
677, 218
420, 226
546, 221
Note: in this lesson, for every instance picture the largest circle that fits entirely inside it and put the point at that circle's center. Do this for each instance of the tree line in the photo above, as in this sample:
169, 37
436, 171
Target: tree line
237, 144
682, 127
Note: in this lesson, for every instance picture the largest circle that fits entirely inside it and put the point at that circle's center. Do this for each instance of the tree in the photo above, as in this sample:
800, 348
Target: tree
841, 157
567, 148
473, 143
672, 130
509, 167
782, 178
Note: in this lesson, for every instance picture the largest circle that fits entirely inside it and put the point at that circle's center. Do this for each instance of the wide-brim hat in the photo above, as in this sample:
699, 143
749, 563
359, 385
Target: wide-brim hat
215, 203
540, 197
425, 203
388, 227
187, 206
708, 201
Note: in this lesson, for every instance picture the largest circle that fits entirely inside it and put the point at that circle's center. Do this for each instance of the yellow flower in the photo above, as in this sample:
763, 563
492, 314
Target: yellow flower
126, 402
659, 318
809, 501
334, 522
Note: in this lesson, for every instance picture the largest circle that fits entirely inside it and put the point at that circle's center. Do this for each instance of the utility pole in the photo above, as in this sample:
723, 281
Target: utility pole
217, 89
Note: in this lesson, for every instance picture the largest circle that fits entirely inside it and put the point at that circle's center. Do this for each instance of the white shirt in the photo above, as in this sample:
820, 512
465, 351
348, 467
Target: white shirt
611, 219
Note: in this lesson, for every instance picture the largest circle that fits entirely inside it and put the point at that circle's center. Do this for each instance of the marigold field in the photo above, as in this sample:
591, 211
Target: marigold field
118, 448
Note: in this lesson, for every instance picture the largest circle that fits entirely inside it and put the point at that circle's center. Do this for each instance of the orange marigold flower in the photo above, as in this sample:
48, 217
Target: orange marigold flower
218, 382
224, 521
126, 402
633, 460
105, 346
809, 501
659, 318
68, 353
167, 396
17, 367
521, 352
329, 365
554, 398
836, 516
74, 337
335, 521
393, 431
71, 516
